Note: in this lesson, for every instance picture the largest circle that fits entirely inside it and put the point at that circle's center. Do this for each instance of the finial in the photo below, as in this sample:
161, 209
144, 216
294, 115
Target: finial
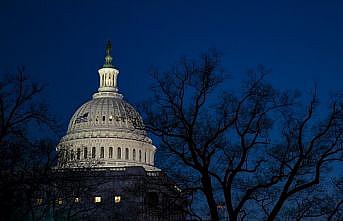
108, 58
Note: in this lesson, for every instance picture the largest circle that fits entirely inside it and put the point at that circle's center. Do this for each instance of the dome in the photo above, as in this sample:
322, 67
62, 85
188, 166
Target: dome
106, 132
105, 113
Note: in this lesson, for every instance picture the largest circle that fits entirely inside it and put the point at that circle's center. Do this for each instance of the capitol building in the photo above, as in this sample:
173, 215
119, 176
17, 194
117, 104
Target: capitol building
106, 131
106, 165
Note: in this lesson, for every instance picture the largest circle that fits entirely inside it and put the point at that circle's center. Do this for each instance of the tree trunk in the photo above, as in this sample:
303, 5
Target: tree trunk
208, 191
233, 215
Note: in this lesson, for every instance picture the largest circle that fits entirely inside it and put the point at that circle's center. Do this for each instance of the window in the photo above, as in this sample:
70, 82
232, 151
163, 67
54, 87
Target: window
67, 155
140, 156
71, 154
103, 118
85, 153
77, 200
59, 201
102, 152
110, 152
145, 157
117, 199
78, 153
93, 152
126, 153
110, 118
119, 153
97, 199
39, 201
134, 154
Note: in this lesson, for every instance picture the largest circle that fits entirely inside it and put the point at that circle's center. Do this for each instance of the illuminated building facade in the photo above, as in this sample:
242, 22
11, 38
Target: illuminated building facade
106, 164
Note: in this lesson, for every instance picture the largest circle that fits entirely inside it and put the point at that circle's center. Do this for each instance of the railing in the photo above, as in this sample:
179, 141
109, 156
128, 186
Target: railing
154, 173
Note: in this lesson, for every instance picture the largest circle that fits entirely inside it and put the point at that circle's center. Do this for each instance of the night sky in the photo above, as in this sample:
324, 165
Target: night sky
61, 43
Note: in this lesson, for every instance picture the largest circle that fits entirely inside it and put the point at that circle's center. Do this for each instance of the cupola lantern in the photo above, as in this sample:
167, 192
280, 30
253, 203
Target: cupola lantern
108, 75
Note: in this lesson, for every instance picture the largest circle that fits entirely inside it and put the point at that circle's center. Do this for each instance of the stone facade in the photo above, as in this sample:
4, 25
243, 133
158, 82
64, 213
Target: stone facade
108, 194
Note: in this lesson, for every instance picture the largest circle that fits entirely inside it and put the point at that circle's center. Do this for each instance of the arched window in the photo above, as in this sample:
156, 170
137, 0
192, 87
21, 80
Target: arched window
102, 152
85, 153
67, 155
140, 156
134, 154
71, 154
78, 153
93, 152
110, 152
126, 153
119, 153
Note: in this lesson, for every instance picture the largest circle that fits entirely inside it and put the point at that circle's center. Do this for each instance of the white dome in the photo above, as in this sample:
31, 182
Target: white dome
106, 131
106, 113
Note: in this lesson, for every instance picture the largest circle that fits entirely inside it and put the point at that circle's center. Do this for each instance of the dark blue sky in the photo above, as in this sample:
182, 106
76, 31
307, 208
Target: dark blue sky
61, 43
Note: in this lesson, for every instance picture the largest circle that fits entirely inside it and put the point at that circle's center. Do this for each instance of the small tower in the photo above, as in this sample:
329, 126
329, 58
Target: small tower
108, 76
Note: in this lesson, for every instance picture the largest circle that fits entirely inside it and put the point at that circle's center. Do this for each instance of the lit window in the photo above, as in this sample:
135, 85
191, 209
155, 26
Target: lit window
110, 118
77, 200
93, 152
39, 201
97, 199
110, 152
102, 152
59, 201
85, 153
119, 153
126, 153
117, 199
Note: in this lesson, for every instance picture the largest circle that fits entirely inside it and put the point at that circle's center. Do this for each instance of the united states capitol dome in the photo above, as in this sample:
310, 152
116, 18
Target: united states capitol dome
106, 131
103, 113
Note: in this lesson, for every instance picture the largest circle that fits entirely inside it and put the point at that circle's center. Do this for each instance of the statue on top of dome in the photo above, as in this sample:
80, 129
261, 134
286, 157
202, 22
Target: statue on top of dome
108, 58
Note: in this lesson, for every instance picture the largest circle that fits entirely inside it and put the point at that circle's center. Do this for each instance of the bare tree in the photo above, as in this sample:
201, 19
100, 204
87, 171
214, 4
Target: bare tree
25, 158
257, 148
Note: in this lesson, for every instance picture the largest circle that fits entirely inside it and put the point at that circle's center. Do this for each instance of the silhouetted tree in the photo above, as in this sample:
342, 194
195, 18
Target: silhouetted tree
25, 158
258, 149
